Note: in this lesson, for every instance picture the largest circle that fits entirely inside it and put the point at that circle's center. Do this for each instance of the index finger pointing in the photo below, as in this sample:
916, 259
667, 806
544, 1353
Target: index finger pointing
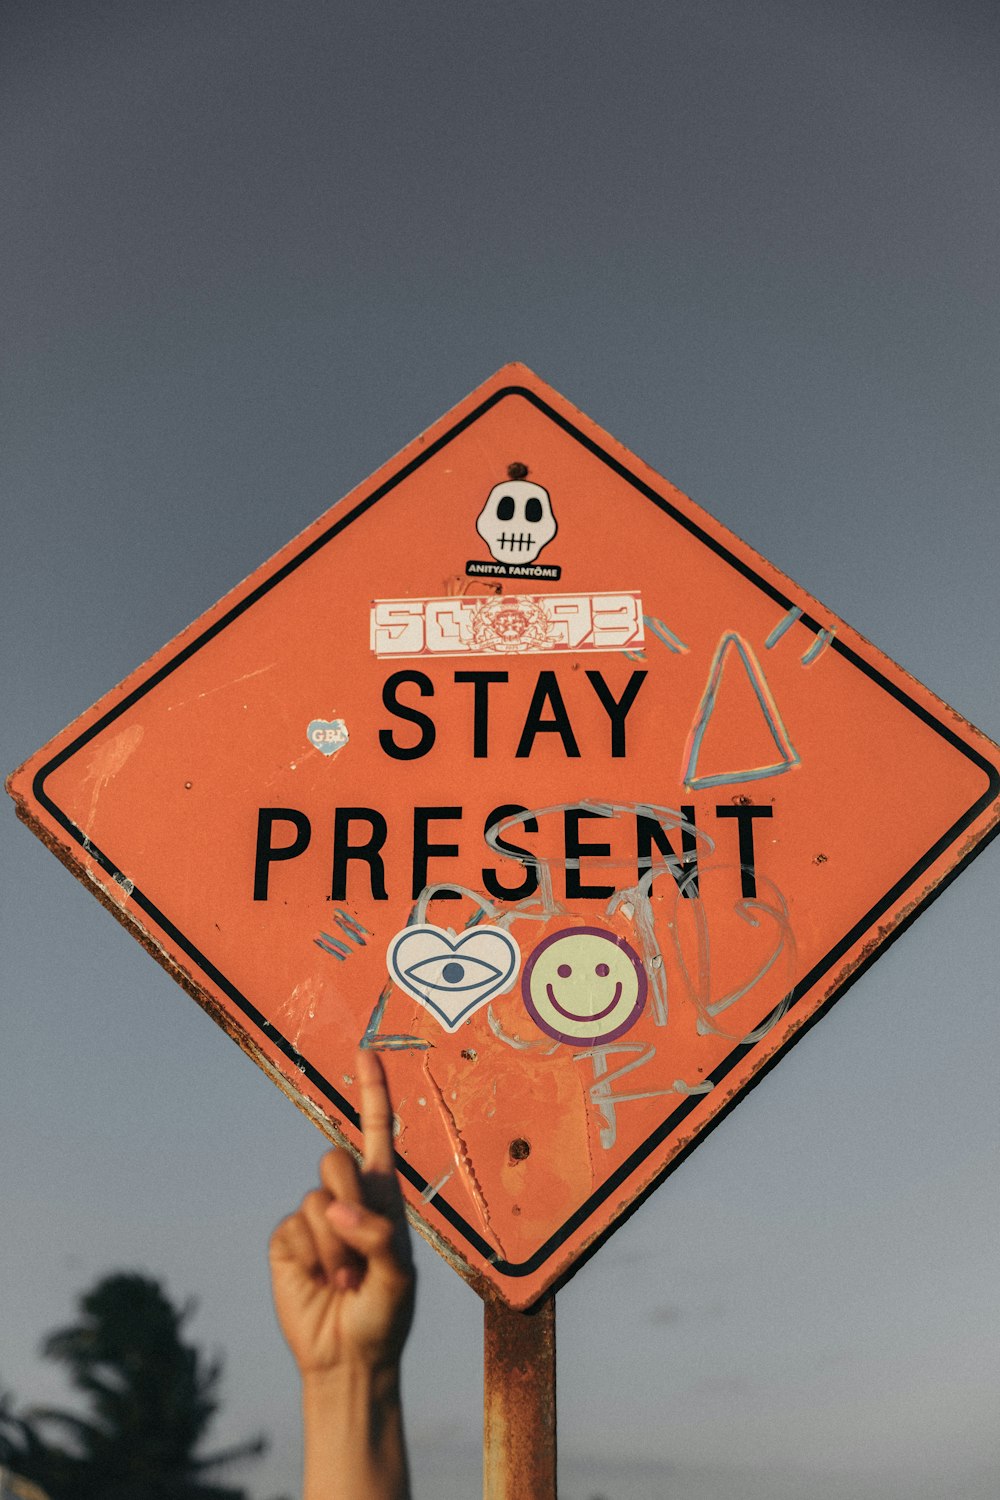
376, 1113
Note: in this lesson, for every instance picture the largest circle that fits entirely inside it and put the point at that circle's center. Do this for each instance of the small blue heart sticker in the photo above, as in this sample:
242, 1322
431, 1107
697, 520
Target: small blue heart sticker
328, 735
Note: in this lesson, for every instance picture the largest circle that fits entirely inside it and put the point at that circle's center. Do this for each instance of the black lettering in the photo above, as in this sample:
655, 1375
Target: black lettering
650, 831
369, 851
529, 884
481, 708
423, 851
267, 853
412, 715
617, 710
547, 691
745, 813
575, 890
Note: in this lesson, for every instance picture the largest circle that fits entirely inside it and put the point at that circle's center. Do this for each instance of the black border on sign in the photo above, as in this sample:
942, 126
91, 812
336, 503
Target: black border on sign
819, 970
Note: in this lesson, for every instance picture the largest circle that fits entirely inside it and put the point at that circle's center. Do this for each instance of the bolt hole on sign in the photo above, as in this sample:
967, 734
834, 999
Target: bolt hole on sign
555, 802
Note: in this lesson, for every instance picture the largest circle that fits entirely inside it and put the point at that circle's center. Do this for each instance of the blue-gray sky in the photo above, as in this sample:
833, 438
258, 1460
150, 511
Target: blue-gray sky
248, 251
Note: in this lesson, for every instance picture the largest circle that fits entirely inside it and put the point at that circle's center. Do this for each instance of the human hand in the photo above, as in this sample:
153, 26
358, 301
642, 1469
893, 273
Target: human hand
341, 1267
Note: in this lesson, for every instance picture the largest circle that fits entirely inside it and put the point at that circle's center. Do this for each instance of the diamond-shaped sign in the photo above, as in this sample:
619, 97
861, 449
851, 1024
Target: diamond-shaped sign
522, 769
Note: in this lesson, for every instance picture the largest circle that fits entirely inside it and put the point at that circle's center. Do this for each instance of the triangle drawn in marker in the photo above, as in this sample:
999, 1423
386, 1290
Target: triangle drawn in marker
740, 727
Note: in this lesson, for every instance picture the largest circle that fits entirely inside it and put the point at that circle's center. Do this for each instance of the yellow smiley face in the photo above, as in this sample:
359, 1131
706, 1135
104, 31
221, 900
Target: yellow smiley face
584, 985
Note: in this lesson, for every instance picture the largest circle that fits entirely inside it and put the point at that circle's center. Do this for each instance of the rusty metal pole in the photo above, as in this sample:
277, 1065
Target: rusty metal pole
519, 1407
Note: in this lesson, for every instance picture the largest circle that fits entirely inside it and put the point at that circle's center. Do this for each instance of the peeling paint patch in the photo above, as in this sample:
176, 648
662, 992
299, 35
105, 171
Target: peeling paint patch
105, 764
300, 1008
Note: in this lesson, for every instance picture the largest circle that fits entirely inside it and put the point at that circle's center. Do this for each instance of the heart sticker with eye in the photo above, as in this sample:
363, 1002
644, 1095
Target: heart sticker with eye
453, 975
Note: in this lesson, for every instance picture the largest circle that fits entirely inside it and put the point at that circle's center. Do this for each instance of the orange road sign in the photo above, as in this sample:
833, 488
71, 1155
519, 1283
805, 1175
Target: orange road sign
519, 767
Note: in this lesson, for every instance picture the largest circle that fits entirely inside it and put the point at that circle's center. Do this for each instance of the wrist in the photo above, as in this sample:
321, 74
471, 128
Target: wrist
350, 1382
353, 1427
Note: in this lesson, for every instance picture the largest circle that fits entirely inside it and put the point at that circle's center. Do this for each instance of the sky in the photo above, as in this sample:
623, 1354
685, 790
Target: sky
249, 251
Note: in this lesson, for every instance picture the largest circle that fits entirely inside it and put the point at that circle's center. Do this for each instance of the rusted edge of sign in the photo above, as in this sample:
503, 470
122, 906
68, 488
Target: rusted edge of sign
222, 1018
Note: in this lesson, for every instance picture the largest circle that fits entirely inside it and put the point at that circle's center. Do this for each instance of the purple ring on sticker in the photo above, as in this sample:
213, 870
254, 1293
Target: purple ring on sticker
584, 985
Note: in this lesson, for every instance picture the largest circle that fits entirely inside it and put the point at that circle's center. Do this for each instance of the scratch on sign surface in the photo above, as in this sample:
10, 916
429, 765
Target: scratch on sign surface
462, 1159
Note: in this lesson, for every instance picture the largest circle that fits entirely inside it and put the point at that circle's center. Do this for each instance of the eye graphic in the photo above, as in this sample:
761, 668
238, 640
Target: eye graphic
505, 508
452, 974
465, 973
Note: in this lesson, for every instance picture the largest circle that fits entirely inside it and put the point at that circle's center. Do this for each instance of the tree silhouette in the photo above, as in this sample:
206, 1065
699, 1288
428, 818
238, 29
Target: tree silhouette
22, 1448
151, 1398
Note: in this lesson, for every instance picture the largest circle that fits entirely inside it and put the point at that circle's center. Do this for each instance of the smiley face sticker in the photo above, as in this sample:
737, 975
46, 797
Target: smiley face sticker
584, 985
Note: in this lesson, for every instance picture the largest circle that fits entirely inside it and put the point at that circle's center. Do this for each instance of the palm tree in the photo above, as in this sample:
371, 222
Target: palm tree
151, 1399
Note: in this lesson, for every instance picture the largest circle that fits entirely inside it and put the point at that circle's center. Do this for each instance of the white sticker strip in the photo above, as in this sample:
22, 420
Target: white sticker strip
506, 624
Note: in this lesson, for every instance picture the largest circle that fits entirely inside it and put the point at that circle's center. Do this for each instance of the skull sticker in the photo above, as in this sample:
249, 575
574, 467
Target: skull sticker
517, 521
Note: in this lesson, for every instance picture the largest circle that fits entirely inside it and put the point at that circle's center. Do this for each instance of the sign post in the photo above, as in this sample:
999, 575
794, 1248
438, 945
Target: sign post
520, 768
519, 1401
